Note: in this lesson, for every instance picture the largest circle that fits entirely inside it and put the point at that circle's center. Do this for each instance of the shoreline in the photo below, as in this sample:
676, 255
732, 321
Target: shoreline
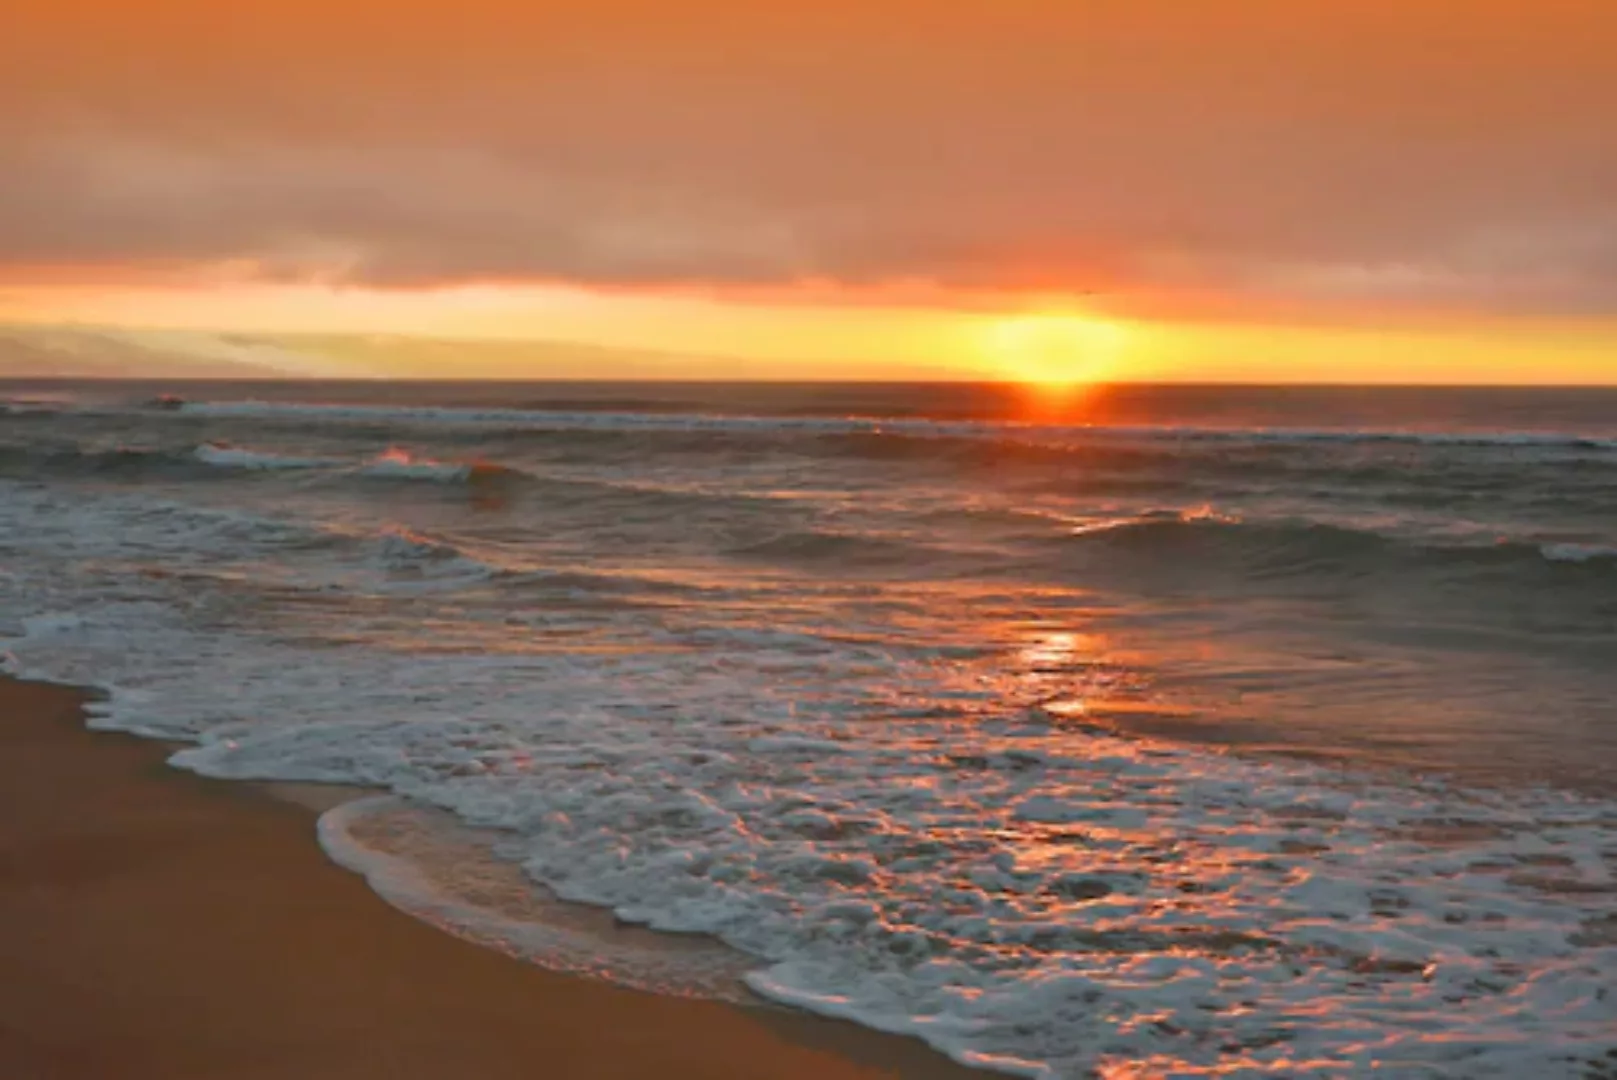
166, 925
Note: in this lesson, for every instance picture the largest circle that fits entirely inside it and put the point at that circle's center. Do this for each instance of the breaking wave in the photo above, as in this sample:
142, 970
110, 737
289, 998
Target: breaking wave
393, 464
231, 457
397, 464
1309, 546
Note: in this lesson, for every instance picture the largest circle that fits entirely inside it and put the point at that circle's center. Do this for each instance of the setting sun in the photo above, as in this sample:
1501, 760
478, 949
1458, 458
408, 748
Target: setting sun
1057, 351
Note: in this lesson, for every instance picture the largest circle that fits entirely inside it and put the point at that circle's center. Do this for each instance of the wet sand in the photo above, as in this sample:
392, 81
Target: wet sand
158, 924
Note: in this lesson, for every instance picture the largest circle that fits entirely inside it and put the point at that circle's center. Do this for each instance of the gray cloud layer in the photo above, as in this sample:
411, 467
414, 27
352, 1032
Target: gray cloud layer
1434, 153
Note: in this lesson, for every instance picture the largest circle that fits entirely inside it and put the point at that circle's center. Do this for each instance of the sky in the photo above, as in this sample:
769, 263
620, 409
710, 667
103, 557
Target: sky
1047, 190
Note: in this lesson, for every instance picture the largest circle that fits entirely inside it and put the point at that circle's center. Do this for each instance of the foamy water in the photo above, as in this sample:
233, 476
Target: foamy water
922, 743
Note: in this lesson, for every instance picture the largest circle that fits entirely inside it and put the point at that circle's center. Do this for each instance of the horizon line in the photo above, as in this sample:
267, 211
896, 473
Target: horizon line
1008, 384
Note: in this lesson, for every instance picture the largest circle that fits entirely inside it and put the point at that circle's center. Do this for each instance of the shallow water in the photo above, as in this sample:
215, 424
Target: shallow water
1209, 730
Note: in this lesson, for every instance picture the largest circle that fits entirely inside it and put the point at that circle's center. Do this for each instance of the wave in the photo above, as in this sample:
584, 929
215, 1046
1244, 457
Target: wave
408, 557
201, 461
1282, 545
216, 460
231, 457
521, 418
398, 464
1030, 470
1499, 439
848, 551
36, 404
859, 425
118, 462
1578, 553
391, 464
207, 458
405, 555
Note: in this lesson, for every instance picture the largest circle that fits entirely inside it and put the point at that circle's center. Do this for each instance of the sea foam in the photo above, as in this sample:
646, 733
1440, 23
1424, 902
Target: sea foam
891, 830
232, 457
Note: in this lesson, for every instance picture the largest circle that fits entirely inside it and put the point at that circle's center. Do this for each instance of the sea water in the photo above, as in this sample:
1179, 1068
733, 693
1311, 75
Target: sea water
1192, 731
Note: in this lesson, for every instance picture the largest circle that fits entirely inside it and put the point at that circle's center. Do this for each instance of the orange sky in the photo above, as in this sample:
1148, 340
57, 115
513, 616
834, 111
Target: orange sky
1339, 189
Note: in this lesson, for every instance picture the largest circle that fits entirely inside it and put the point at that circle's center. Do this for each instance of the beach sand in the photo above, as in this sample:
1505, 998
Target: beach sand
158, 924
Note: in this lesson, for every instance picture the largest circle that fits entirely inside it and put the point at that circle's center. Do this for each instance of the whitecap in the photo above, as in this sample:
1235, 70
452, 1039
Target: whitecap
233, 457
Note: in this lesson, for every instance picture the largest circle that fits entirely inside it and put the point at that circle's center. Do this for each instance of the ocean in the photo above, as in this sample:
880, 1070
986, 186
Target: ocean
1167, 730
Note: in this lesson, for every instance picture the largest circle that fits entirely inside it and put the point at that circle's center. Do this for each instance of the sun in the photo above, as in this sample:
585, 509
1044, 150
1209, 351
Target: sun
1054, 351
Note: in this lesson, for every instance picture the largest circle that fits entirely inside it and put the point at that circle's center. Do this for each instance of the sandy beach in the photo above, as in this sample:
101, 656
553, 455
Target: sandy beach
158, 924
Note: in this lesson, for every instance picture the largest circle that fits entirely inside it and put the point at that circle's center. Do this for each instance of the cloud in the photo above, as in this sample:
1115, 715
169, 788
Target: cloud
80, 352
1448, 153
54, 351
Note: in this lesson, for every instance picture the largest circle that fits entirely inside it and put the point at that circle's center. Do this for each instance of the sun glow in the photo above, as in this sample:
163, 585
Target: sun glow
1055, 351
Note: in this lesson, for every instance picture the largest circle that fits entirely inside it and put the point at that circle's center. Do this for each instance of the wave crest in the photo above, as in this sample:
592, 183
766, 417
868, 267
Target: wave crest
1307, 545
226, 456
399, 464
